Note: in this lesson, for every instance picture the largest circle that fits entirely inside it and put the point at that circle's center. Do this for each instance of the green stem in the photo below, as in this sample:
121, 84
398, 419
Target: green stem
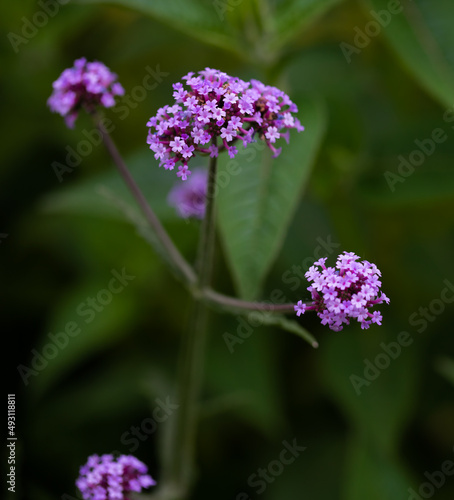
164, 239
204, 265
180, 453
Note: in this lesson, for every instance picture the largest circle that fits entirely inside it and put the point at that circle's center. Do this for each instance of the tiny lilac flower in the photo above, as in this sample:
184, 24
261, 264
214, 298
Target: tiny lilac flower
232, 151
272, 134
189, 197
187, 151
218, 106
348, 291
85, 85
214, 151
227, 134
108, 478
183, 172
299, 308
177, 144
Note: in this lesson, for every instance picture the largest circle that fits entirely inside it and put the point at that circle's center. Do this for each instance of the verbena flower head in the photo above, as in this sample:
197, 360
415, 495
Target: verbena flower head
350, 290
189, 197
212, 113
86, 84
107, 478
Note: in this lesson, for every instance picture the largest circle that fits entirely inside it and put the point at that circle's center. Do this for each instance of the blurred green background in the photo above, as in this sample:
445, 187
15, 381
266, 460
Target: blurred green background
381, 75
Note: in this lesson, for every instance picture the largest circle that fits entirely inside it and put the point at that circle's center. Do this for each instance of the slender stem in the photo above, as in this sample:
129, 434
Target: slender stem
206, 245
214, 297
165, 240
179, 459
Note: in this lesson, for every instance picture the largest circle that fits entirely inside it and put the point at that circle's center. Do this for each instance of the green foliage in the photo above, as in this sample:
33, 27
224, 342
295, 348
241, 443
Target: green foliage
423, 38
259, 198
330, 183
291, 17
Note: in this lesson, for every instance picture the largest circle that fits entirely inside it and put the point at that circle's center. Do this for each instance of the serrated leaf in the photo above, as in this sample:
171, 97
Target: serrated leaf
423, 37
258, 196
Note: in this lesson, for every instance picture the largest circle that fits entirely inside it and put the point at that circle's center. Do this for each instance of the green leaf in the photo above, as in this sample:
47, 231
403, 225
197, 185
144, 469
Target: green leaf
421, 188
258, 195
81, 327
374, 380
291, 326
201, 19
292, 17
423, 37
106, 195
250, 389
101, 194
373, 475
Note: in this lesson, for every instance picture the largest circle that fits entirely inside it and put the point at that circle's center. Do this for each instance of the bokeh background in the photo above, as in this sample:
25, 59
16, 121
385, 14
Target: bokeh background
380, 82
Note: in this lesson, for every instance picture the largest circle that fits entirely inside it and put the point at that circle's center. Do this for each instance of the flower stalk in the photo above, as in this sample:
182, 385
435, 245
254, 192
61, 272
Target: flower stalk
179, 459
174, 254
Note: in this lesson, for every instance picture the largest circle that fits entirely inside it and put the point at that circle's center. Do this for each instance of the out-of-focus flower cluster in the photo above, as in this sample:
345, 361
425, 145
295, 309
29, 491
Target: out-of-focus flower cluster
107, 478
350, 290
214, 113
189, 197
86, 84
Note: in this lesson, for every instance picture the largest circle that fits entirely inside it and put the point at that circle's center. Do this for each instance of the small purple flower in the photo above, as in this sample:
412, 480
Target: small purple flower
189, 198
350, 290
85, 85
218, 106
299, 308
108, 478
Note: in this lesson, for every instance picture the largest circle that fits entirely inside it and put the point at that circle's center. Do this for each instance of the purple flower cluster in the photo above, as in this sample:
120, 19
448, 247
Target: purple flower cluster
189, 197
218, 106
107, 478
86, 84
347, 291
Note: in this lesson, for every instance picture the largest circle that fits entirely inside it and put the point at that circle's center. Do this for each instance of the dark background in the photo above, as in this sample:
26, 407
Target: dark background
63, 240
